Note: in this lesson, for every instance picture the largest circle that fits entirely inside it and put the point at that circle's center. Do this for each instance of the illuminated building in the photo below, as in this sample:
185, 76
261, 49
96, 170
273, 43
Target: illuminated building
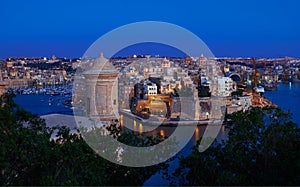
202, 60
102, 96
9, 64
188, 60
2, 87
225, 86
151, 88
166, 63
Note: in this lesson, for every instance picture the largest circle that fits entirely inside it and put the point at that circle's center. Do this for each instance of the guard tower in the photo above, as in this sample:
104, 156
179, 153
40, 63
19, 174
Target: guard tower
102, 90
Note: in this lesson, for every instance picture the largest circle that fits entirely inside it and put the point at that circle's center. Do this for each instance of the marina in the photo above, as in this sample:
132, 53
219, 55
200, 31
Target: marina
44, 101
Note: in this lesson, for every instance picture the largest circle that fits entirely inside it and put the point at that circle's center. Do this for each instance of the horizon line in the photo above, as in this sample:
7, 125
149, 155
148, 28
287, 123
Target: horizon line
152, 56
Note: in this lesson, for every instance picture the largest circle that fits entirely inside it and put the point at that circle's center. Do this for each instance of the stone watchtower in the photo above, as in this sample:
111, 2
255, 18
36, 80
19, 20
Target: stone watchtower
2, 87
102, 90
2, 84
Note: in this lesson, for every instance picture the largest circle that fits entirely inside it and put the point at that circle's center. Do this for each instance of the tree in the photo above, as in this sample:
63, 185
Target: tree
237, 93
203, 91
262, 149
30, 155
183, 92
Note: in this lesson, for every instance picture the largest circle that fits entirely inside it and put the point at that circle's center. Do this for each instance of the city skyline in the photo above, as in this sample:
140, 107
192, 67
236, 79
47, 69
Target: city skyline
149, 93
230, 29
150, 49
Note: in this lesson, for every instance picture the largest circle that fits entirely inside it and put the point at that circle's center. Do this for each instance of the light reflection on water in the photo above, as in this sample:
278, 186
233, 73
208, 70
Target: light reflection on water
44, 104
288, 98
163, 130
157, 178
40, 104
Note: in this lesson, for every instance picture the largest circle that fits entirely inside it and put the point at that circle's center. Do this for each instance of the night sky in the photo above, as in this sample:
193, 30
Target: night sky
238, 28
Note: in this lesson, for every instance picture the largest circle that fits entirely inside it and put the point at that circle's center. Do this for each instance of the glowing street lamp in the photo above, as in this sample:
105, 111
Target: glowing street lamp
207, 114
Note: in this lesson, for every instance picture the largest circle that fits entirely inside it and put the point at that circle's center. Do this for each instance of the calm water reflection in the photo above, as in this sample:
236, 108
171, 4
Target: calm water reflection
288, 98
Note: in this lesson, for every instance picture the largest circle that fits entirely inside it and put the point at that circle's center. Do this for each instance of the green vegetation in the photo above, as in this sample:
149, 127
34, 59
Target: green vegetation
237, 93
203, 91
29, 156
262, 149
56, 65
183, 92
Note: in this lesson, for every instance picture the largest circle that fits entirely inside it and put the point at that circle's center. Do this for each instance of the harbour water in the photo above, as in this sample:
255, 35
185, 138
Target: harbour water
288, 98
43, 104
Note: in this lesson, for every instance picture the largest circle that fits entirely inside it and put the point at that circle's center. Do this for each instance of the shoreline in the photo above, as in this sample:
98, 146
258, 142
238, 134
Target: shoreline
260, 101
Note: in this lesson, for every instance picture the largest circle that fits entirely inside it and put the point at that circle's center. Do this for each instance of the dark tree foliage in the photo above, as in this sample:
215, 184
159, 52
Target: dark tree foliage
238, 93
29, 155
183, 92
203, 91
262, 149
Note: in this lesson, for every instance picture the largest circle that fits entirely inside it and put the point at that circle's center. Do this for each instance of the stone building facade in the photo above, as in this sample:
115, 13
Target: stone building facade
2, 87
102, 90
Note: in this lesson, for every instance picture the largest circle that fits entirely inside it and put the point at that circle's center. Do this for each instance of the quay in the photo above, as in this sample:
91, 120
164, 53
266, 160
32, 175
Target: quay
132, 119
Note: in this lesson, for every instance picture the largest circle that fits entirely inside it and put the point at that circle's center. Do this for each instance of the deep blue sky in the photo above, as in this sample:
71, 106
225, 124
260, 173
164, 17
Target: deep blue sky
150, 48
253, 28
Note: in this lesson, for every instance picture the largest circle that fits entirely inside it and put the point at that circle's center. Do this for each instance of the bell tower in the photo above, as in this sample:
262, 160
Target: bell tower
202, 60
